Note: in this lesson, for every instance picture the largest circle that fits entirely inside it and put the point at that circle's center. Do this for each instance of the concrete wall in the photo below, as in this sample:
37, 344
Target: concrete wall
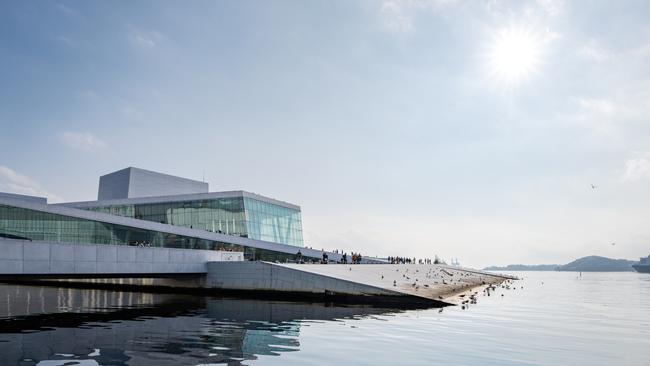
114, 185
35, 199
134, 182
264, 276
27, 257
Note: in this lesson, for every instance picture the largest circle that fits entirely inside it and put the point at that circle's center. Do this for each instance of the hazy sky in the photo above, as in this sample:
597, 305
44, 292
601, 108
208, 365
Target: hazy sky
466, 129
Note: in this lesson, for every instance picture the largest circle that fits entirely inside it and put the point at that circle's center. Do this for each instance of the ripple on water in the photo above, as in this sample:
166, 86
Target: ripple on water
596, 319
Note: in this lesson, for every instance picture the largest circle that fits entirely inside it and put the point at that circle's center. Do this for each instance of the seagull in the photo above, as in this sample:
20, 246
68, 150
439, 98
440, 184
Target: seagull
593, 186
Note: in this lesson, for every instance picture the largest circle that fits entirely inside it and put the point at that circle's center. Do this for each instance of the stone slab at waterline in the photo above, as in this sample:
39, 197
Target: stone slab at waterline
430, 282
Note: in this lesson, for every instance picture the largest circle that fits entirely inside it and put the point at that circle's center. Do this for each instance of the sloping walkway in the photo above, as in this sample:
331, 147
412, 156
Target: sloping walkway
436, 283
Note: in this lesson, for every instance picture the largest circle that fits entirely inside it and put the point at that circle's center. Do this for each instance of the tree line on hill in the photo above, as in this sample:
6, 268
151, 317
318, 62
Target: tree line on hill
591, 263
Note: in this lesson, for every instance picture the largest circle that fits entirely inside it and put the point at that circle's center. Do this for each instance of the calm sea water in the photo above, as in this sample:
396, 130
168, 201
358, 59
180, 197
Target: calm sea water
555, 319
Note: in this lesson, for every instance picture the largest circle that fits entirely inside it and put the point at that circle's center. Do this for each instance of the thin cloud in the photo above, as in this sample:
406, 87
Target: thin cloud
595, 51
538, 9
552, 7
64, 40
145, 39
599, 52
395, 19
597, 106
637, 169
618, 119
13, 182
84, 141
67, 10
397, 14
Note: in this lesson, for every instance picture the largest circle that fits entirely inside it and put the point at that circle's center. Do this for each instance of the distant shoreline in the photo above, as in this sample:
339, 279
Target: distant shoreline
585, 264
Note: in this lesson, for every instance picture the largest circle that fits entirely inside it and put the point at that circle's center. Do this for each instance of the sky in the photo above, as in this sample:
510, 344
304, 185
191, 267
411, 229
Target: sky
467, 129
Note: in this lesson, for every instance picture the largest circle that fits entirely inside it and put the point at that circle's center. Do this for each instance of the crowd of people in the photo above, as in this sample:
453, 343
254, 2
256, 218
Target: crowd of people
405, 260
140, 244
356, 258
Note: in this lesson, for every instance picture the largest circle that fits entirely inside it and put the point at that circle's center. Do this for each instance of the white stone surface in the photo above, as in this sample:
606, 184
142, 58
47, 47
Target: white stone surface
126, 254
11, 266
37, 252
28, 257
12, 250
107, 253
441, 283
59, 252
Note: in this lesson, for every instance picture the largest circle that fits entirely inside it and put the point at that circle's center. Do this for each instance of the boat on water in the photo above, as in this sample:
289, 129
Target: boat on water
643, 266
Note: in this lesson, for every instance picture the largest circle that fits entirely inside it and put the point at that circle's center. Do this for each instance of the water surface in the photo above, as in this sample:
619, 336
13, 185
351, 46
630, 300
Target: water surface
547, 318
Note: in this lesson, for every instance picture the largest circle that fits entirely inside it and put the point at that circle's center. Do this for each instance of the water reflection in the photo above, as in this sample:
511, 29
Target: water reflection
63, 326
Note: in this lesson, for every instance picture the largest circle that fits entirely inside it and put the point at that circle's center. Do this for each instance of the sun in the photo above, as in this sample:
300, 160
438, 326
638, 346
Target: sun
514, 55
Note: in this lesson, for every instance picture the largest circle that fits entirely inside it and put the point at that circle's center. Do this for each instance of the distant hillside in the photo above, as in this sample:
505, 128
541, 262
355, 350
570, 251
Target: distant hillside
524, 267
595, 263
591, 263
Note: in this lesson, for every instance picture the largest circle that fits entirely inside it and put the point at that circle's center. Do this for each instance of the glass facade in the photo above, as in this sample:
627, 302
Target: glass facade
224, 215
21, 223
239, 216
269, 222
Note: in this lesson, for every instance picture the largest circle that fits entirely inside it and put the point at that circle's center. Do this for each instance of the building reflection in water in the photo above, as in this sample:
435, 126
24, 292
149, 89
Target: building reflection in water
53, 326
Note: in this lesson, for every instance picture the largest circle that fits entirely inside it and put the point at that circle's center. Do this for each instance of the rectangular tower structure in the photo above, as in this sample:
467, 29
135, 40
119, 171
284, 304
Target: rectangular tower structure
134, 182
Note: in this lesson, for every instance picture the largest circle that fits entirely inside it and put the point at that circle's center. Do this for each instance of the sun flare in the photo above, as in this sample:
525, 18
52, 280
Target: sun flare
514, 55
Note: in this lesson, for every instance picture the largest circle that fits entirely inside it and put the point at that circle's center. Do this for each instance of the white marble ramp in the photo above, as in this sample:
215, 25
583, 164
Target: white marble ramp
438, 282
418, 281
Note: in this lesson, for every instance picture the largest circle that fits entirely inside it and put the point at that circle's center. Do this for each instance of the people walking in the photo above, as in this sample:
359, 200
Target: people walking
299, 256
